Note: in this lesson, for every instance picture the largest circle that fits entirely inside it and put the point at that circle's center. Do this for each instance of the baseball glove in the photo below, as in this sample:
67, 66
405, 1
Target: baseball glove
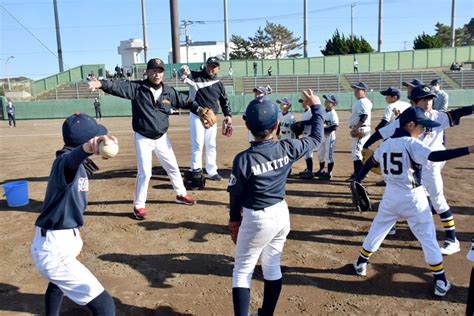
360, 197
297, 128
207, 117
366, 154
357, 133
226, 128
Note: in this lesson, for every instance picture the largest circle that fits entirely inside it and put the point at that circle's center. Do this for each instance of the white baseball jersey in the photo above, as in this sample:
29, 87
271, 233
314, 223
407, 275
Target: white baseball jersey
306, 117
360, 107
394, 109
326, 149
286, 120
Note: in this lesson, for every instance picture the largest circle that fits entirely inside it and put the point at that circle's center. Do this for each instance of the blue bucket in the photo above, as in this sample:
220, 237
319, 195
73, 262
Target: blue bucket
16, 193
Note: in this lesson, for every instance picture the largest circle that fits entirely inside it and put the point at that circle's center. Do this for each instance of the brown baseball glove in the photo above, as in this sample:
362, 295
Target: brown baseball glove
357, 132
207, 117
297, 128
366, 154
226, 128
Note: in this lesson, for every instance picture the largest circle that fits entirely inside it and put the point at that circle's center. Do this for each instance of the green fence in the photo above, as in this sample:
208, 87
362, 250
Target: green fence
373, 62
72, 75
114, 107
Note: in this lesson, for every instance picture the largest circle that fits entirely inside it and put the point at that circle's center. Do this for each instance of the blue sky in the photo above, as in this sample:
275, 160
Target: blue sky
91, 30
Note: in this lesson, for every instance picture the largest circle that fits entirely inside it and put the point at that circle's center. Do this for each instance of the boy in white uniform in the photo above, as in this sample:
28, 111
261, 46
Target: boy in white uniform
400, 158
394, 106
326, 150
359, 123
306, 121
286, 119
422, 96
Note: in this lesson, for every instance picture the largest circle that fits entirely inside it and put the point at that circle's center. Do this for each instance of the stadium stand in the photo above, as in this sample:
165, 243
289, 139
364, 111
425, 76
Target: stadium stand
465, 78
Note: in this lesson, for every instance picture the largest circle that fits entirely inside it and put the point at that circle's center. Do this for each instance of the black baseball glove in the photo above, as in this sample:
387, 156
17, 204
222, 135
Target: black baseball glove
360, 197
297, 128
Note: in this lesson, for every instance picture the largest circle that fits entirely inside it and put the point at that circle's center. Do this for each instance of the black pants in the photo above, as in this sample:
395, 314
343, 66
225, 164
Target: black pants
11, 119
98, 113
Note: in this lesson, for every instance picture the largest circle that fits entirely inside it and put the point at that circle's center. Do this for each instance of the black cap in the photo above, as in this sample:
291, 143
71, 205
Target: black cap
435, 82
417, 115
360, 85
391, 91
155, 63
413, 83
421, 92
79, 128
261, 114
213, 61
331, 98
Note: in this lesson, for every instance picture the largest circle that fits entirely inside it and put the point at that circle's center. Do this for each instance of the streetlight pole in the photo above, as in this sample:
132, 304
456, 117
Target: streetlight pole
352, 19
6, 71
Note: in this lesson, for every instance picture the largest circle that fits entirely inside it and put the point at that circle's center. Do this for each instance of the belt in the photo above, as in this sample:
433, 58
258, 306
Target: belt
351, 127
44, 230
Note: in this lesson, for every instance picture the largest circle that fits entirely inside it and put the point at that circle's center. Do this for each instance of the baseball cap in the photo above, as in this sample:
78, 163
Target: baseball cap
391, 91
434, 82
413, 83
155, 63
261, 114
417, 115
284, 100
213, 61
261, 89
421, 92
79, 128
360, 85
331, 98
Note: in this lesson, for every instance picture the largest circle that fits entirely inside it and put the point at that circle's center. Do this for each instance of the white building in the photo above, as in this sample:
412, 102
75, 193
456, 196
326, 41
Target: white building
199, 52
130, 51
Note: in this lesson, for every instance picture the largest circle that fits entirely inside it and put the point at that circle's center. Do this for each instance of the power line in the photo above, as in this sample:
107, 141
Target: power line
31, 33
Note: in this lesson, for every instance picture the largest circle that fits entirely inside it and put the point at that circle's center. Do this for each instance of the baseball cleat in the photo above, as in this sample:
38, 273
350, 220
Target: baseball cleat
139, 213
360, 269
441, 287
216, 177
325, 176
450, 247
185, 199
319, 173
306, 175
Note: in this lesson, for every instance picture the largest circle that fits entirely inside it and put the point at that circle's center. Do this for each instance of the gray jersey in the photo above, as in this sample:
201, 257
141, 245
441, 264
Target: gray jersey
442, 101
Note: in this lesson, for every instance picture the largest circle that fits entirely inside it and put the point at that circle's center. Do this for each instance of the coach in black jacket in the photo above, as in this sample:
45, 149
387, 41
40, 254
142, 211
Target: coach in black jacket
152, 102
208, 91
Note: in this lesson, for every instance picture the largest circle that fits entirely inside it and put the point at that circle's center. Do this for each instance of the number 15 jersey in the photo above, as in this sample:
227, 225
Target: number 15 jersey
400, 158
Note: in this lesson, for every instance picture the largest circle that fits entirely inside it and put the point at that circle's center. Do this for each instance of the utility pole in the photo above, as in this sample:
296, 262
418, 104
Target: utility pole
175, 31
379, 48
453, 18
145, 41
58, 36
226, 35
305, 28
405, 44
187, 40
353, 4
6, 72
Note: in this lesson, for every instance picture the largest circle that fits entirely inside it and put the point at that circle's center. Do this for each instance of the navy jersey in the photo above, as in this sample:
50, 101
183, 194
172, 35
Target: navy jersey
259, 173
65, 201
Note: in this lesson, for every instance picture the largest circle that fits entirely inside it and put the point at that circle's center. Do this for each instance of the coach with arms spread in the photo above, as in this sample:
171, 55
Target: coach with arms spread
151, 104
210, 90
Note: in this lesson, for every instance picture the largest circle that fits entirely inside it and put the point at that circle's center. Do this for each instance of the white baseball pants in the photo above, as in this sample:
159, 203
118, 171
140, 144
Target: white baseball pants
55, 257
414, 207
262, 234
433, 183
326, 149
201, 137
358, 143
164, 152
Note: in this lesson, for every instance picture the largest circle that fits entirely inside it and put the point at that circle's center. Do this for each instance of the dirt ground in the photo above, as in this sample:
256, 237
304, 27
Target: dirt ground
179, 261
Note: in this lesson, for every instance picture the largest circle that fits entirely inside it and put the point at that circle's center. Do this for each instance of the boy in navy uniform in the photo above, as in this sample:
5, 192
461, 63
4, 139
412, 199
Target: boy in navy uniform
259, 217
57, 241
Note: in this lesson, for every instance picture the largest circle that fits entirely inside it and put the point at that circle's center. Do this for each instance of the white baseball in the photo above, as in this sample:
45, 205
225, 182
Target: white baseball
108, 149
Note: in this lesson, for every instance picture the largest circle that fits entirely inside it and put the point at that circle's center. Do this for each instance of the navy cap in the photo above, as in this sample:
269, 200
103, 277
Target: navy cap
413, 83
391, 91
261, 89
155, 63
360, 85
435, 82
417, 115
331, 98
421, 92
79, 128
213, 61
261, 114
284, 100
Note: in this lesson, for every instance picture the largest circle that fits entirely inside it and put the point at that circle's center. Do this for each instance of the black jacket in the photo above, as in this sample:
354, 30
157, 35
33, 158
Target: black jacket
210, 90
149, 118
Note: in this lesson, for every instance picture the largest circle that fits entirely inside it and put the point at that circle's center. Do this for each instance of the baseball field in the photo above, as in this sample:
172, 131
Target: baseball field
179, 260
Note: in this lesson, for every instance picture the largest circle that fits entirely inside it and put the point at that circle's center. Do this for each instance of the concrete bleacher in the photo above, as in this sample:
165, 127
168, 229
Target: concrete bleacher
465, 78
287, 84
76, 90
382, 80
